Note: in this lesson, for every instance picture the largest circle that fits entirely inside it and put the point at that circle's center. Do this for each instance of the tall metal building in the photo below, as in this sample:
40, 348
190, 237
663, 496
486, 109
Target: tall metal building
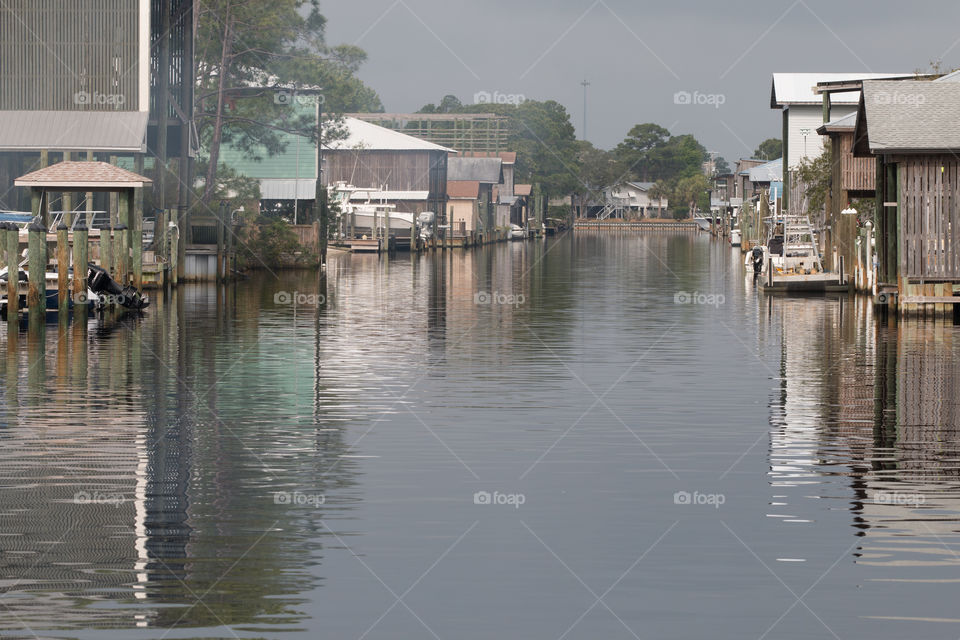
108, 78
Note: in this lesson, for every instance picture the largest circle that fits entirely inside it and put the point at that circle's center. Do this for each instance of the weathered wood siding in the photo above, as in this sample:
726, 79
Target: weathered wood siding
393, 171
929, 217
856, 174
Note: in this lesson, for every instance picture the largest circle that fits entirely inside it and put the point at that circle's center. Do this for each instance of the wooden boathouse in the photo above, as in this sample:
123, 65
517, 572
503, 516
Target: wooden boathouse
912, 128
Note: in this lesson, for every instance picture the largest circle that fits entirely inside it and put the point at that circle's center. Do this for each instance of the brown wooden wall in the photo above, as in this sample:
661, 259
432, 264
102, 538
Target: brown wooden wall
929, 217
856, 174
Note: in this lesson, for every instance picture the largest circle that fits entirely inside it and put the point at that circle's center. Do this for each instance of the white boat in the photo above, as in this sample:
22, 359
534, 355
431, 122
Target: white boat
516, 232
703, 223
735, 237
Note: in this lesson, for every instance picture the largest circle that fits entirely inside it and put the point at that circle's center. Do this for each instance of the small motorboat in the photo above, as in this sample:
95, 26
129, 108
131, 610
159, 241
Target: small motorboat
516, 232
735, 237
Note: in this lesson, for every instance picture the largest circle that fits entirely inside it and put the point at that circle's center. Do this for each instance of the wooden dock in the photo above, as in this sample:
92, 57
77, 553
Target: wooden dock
637, 225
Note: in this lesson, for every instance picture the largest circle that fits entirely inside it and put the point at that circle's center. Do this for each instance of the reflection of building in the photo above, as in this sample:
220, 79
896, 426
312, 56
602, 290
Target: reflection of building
867, 408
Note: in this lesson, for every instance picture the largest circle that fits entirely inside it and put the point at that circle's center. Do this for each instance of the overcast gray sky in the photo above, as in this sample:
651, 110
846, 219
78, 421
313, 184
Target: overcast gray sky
637, 55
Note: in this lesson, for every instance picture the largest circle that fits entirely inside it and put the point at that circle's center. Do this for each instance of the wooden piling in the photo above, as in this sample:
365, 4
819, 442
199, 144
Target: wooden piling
135, 236
121, 253
220, 240
63, 269
13, 275
36, 271
106, 249
80, 266
173, 249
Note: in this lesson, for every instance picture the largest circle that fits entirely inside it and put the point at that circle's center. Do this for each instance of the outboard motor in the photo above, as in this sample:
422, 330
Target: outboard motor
757, 255
426, 221
100, 282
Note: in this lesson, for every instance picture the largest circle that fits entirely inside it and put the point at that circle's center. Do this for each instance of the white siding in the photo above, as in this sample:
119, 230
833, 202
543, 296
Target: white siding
809, 117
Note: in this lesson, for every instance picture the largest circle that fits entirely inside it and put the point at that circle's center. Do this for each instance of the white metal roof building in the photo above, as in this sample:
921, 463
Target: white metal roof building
796, 94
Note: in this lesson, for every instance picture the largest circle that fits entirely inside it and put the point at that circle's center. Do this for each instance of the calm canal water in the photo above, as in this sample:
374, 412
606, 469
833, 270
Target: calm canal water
602, 436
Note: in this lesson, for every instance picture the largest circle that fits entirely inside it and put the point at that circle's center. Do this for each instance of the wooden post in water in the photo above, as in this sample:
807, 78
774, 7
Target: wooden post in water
220, 240
63, 269
173, 248
842, 274
123, 235
136, 238
89, 196
121, 253
36, 274
13, 274
3, 249
106, 249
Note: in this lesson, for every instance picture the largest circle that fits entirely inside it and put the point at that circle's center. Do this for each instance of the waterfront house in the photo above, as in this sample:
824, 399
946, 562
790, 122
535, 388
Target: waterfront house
463, 204
912, 129
804, 110
385, 165
632, 200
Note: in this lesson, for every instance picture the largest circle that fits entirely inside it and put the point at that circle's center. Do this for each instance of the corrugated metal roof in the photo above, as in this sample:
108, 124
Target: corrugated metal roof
73, 130
769, 172
274, 189
374, 195
909, 116
366, 135
94, 175
799, 88
643, 186
482, 169
463, 188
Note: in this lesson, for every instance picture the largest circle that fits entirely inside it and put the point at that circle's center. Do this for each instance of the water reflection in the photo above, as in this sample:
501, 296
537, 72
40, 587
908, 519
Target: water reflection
867, 415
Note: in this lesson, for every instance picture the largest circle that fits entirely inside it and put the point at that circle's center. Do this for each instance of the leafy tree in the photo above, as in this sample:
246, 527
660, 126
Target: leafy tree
815, 176
637, 151
690, 191
769, 149
721, 165
273, 44
539, 131
659, 192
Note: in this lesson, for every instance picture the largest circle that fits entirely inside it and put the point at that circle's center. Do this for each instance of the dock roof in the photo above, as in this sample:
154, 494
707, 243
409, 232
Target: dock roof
846, 123
801, 88
911, 116
82, 176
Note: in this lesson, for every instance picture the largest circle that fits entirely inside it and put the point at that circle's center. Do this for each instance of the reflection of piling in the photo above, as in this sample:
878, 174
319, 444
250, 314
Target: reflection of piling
12, 242
3, 248
63, 270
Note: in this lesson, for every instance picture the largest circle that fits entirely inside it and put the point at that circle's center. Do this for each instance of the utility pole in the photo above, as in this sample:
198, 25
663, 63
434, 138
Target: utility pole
585, 84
